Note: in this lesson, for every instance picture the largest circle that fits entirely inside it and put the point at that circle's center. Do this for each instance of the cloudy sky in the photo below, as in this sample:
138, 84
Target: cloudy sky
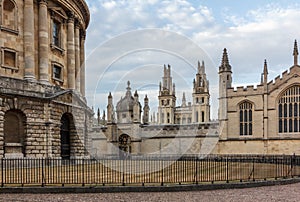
133, 39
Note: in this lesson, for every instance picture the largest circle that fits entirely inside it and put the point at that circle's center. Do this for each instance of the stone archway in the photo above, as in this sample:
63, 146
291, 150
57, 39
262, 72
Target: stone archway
14, 133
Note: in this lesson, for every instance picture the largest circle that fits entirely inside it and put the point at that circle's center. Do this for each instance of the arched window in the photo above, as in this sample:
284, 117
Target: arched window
124, 145
14, 132
246, 118
9, 15
288, 111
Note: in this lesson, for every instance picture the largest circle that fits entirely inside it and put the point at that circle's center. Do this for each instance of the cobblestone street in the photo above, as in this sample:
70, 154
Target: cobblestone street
270, 193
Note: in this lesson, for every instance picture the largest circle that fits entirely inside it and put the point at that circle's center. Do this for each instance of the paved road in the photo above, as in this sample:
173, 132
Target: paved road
263, 194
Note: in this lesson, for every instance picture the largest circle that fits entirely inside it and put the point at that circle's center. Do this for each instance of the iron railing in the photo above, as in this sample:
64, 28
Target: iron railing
150, 170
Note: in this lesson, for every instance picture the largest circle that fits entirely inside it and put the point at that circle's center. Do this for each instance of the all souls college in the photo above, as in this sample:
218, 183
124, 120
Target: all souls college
43, 111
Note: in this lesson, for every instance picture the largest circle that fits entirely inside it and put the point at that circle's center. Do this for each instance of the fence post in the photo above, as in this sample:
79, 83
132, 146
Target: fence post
227, 170
83, 178
292, 164
2, 173
162, 173
123, 172
43, 174
253, 169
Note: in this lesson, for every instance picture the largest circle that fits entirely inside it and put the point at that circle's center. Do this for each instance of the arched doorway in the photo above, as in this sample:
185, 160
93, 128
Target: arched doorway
14, 133
124, 145
65, 133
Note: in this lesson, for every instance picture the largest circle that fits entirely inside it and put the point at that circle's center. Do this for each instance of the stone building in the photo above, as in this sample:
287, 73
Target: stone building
177, 129
261, 120
43, 112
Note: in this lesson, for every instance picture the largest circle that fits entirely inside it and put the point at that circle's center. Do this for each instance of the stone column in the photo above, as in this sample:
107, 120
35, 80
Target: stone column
43, 42
82, 66
71, 52
29, 72
77, 56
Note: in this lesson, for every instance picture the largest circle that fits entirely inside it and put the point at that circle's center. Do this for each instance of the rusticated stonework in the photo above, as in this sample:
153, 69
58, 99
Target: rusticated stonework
43, 112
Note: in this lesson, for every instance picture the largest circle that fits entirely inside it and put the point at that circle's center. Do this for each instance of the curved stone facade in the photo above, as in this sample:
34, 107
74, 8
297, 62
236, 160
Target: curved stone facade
42, 76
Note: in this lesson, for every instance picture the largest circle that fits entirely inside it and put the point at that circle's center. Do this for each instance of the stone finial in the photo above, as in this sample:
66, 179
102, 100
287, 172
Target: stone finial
265, 72
183, 100
225, 66
146, 98
265, 67
128, 93
103, 117
295, 53
98, 116
199, 67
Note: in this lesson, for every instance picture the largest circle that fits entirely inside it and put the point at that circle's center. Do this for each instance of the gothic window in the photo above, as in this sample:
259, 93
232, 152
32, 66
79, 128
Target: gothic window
202, 116
9, 16
202, 100
197, 100
246, 110
168, 117
124, 145
288, 111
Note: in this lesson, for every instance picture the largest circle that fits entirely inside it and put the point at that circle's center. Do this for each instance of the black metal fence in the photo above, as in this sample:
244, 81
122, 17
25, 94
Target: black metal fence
151, 170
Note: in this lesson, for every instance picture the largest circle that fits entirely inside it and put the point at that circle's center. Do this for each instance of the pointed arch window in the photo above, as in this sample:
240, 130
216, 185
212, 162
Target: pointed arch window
288, 111
246, 111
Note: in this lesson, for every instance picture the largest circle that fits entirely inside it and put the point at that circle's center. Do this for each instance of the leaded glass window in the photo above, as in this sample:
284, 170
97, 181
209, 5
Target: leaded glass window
288, 111
246, 118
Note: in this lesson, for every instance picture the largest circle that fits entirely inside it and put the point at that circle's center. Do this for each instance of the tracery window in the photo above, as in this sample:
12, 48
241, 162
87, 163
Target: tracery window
124, 145
288, 111
246, 118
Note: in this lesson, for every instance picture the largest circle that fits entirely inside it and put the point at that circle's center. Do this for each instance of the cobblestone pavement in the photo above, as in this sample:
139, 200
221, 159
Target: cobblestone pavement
271, 193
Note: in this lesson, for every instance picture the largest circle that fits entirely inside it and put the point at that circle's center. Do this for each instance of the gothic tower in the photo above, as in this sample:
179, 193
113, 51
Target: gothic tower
201, 107
225, 82
166, 98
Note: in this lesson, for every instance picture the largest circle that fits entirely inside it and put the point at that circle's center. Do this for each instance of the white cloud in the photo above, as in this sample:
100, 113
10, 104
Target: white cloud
264, 33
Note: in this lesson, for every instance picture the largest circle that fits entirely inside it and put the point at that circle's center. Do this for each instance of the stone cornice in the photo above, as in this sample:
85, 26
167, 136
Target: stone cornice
81, 6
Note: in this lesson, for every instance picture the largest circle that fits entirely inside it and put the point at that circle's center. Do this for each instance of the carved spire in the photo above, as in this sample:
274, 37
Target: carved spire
295, 53
98, 116
225, 66
183, 100
265, 72
103, 117
199, 67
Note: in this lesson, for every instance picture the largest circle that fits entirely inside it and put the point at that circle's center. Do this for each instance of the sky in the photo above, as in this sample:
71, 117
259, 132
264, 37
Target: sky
133, 39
